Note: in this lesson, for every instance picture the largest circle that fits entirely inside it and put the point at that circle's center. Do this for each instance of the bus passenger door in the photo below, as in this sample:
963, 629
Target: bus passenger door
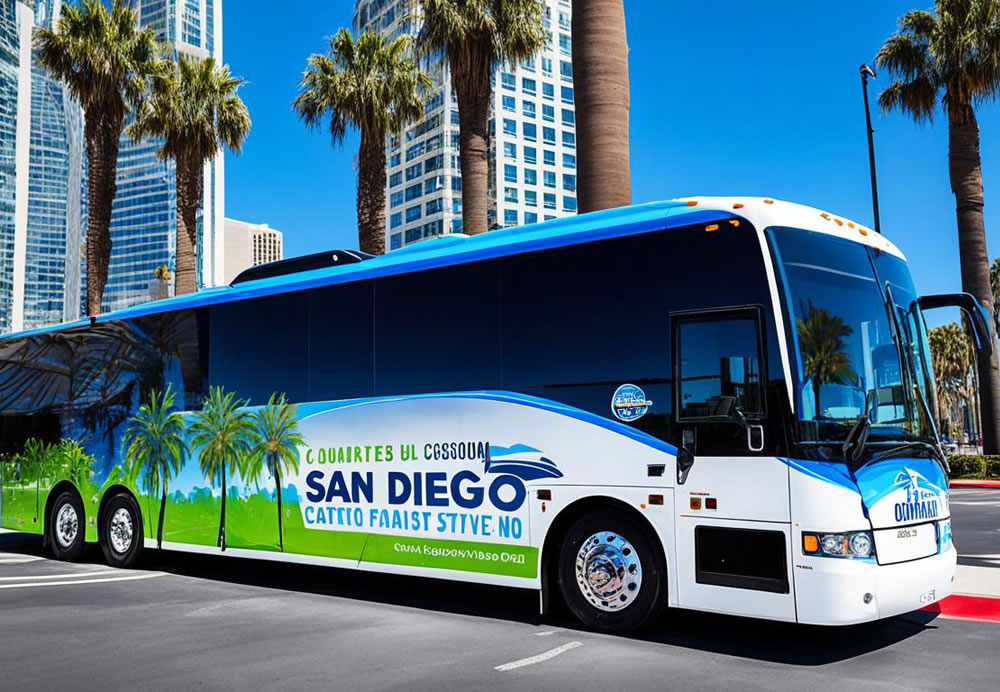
731, 496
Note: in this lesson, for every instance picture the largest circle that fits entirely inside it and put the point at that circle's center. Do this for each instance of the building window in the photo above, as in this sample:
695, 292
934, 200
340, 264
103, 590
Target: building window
565, 44
414, 234
455, 120
567, 94
510, 194
569, 203
414, 171
413, 213
548, 90
547, 65
530, 155
395, 179
530, 131
529, 108
395, 199
531, 198
550, 157
434, 163
509, 103
434, 184
434, 206
569, 139
530, 217
510, 150
569, 182
530, 176
456, 183
548, 113
509, 173
550, 178
569, 161
456, 225
508, 81
530, 86
549, 135
394, 161
396, 220
549, 200
414, 191
529, 63
566, 70
456, 205
510, 217
568, 117
509, 127
395, 241
433, 228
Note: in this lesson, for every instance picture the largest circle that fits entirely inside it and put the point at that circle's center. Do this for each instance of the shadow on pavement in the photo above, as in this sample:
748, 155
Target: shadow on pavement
776, 642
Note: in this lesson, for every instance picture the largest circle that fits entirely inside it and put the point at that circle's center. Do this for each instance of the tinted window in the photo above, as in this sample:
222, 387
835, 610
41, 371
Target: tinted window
438, 331
718, 362
340, 342
260, 346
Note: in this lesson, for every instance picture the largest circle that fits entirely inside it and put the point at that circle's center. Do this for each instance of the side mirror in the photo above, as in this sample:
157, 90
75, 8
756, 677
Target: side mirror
972, 309
728, 408
685, 455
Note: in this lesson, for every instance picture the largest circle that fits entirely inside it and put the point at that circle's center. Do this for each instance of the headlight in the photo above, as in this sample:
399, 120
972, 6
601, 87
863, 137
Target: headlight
850, 544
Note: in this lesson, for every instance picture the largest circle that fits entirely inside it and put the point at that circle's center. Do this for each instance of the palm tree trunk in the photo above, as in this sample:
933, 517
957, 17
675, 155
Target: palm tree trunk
470, 73
189, 188
967, 185
222, 514
371, 192
163, 507
600, 76
102, 135
277, 483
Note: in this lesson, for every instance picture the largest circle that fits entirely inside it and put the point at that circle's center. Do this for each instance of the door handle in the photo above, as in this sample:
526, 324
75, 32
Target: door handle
755, 438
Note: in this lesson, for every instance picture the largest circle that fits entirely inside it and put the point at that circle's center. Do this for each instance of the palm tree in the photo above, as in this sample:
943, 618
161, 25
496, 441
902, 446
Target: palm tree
222, 430
105, 60
995, 284
196, 110
373, 86
155, 448
951, 358
821, 339
952, 57
476, 36
601, 91
275, 442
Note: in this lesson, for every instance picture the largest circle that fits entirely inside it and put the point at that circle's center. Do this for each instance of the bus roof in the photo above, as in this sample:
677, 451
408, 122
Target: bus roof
459, 249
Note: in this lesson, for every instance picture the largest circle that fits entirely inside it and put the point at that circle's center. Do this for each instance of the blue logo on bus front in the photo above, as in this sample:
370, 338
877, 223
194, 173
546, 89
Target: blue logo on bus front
921, 502
629, 403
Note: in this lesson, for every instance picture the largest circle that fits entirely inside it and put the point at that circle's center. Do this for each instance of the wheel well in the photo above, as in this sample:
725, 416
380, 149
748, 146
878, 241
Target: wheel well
112, 491
560, 527
55, 492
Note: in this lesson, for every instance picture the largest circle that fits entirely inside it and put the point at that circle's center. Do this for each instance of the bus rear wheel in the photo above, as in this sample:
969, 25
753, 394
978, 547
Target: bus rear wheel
67, 526
121, 531
609, 572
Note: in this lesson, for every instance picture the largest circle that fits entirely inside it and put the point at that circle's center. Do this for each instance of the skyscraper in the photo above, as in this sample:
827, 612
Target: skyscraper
532, 150
144, 216
41, 178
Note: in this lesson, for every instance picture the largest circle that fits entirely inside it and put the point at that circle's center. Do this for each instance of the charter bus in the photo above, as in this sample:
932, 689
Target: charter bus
719, 404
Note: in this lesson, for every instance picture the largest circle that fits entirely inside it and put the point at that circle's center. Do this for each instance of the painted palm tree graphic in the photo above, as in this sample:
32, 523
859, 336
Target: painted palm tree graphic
821, 340
155, 447
275, 440
222, 430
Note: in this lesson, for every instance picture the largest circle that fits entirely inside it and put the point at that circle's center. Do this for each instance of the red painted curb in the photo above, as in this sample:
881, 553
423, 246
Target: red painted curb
972, 483
961, 607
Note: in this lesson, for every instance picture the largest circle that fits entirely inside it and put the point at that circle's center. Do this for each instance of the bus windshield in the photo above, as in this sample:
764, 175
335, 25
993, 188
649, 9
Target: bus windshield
848, 359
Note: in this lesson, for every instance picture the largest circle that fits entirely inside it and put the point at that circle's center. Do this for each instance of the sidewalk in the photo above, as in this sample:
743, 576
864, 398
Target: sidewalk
972, 483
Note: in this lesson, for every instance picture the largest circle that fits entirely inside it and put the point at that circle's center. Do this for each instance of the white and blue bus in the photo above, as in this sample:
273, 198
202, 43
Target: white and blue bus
721, 404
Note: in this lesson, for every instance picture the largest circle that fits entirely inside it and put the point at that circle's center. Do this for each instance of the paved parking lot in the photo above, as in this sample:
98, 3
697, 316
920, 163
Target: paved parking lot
182, 621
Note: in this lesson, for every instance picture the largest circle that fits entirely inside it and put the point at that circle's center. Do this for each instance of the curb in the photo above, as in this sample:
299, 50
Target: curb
973, 483
963, 607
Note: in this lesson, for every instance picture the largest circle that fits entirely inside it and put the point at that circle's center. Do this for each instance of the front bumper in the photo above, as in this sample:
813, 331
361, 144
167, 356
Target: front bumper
832, 591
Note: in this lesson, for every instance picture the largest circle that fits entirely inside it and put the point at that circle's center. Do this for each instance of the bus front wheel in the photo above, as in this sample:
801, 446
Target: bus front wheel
121, 531
609, 572
67, 526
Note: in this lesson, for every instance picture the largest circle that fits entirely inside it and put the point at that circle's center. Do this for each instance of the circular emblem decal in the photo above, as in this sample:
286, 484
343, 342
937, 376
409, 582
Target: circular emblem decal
629, 403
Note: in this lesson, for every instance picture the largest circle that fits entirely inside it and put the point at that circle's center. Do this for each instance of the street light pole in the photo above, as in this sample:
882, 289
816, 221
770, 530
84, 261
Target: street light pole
867, 72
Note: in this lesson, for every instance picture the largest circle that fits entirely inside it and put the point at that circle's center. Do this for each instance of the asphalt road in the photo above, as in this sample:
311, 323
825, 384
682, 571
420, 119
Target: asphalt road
975, 521
186, 622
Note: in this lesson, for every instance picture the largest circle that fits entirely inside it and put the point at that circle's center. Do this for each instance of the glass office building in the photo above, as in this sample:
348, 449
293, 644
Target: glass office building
532, 150
42, 197
144, 217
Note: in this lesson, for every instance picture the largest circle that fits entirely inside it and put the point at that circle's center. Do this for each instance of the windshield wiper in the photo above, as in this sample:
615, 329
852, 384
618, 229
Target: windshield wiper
854, 444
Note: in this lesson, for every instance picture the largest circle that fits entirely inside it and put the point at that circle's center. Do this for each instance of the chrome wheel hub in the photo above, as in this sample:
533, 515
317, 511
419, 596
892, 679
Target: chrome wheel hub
608, 571
122, 531
67, 525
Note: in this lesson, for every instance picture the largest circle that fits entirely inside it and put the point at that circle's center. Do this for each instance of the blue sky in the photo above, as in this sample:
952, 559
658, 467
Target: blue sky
727, 98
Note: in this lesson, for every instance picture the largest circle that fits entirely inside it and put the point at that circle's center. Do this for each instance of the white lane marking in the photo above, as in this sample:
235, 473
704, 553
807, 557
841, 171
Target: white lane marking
979, 503
18, 559
82, 575
992, 556
544, 634
83, 581
551, 653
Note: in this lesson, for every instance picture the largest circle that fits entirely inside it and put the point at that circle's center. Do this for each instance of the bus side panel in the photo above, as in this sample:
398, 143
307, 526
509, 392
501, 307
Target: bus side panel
18, 497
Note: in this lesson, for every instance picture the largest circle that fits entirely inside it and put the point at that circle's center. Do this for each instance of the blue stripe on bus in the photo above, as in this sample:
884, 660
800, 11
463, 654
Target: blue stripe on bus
433, 254
828, 471
314, 408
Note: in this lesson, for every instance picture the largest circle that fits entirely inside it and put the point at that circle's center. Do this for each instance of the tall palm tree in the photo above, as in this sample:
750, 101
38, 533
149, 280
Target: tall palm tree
951, 57
374, 86
821, 339
106, 61
275, 445
155, 448
222, 430
476, 36
196, 110
995, 284
951, 358
601, 90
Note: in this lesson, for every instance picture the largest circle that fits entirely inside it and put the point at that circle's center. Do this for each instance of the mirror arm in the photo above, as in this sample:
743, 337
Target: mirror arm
972, 309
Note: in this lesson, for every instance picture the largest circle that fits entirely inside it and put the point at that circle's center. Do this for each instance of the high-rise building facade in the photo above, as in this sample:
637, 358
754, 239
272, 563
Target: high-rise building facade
248, 245
144, 216
42, 178
532, 148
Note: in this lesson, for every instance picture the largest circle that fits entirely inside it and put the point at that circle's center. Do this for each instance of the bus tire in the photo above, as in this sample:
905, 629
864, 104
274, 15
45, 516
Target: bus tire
67, 526
610, 572
121, 531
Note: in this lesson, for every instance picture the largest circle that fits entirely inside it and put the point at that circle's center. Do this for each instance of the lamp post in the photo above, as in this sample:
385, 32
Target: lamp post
867, 72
